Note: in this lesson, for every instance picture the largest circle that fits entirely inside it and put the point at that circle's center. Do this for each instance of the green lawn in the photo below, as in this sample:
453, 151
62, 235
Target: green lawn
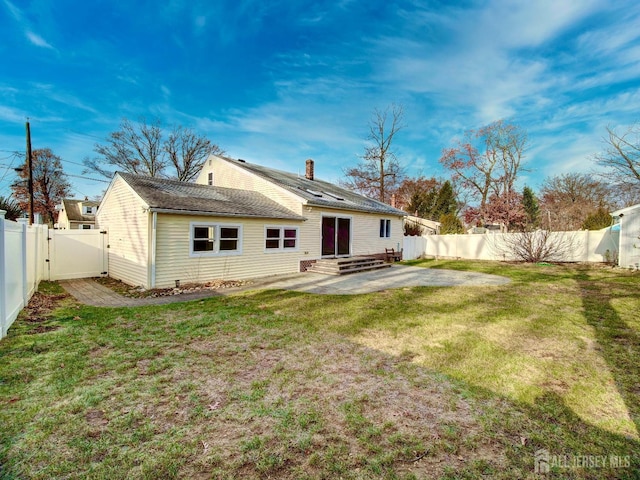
464, 382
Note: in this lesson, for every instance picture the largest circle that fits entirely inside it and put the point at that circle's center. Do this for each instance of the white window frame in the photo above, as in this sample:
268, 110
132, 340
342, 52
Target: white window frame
88, 210
210, 178
281, 248
386, 230
216, 252
82, 225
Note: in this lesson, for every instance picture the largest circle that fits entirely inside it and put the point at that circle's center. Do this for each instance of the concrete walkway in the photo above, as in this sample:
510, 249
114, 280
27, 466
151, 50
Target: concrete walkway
90, 292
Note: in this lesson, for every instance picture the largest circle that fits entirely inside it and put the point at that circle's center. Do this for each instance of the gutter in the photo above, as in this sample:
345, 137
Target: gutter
229, 215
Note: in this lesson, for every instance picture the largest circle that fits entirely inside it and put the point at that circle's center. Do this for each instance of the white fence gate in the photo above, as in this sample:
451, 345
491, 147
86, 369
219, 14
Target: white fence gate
31, 253
77, 254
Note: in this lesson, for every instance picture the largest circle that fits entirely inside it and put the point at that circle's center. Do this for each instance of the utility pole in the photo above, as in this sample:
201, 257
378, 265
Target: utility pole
30, 171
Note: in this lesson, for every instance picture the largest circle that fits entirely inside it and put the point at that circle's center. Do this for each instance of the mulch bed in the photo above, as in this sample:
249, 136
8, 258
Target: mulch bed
139, 292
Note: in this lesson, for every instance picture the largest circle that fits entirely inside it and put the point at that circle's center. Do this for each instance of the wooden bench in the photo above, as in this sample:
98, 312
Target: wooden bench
392, 255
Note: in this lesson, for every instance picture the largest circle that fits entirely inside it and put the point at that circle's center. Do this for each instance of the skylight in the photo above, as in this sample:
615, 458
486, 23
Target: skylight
333, 195
315, 193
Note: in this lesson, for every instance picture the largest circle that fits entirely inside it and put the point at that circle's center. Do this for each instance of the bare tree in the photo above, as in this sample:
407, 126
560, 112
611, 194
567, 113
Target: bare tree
487, 161
505, 209
134, 149
145, 149
379, 173
188, 151
567, 199
536, 246
621, 157
50, 184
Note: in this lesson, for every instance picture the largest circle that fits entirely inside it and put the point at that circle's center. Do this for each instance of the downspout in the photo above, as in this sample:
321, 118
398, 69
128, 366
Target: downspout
152, 250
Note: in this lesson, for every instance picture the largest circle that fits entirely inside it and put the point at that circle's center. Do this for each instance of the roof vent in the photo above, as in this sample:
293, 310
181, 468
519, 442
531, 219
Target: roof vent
242, 161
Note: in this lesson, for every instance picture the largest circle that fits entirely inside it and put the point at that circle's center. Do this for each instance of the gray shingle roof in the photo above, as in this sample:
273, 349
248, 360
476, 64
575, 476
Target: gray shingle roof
190, 198
74, 213
318, 192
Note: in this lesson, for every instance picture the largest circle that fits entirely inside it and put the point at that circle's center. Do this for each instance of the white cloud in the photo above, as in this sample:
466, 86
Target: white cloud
33, 37
13, 10
37, 40
12, 115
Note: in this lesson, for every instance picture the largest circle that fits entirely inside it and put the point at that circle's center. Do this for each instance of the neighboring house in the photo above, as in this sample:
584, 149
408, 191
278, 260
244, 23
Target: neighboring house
629, 247
488, 228
429, 227
247, 222
77, 214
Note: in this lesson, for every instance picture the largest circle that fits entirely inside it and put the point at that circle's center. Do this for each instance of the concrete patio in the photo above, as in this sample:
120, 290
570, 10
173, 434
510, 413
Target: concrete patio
89, 292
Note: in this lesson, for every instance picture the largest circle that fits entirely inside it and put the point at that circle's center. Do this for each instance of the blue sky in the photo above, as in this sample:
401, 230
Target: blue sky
276, 82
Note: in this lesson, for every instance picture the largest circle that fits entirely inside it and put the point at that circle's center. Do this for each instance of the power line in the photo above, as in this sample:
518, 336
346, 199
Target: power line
74, 163
90, 179
9, 167
85, 134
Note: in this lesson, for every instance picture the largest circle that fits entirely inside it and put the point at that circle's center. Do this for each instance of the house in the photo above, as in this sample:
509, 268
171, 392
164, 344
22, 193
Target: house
428, 227
76, 214
628, 220
238, 221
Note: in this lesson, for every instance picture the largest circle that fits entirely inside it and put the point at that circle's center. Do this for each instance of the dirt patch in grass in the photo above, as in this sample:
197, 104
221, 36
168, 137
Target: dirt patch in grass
39, 311
41, 305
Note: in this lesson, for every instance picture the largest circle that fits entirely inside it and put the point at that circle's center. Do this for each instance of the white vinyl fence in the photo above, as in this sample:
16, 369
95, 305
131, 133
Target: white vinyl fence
22, 266
31, 253
414, 247
586, 246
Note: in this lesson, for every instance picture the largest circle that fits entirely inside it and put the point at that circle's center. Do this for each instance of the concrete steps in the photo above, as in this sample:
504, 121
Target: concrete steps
342, 266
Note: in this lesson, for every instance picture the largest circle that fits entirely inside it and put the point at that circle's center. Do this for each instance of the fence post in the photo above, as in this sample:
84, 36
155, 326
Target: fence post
3, 272
23, 260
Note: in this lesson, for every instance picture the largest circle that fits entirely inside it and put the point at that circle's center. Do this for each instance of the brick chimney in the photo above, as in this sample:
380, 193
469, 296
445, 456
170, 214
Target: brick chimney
309, 172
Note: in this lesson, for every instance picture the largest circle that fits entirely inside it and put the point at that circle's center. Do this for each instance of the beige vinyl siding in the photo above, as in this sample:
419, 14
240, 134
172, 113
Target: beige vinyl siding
127, 224
365, 232
228, 175
63, 221
174, 262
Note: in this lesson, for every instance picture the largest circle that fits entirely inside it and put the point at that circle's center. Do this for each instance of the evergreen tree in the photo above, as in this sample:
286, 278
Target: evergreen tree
531, 207
450, 223
597, 220
11, 207
446, 202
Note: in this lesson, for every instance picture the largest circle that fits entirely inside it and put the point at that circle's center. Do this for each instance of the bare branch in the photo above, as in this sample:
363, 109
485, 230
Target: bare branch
535, 246
143, 149
379, 173
621, 158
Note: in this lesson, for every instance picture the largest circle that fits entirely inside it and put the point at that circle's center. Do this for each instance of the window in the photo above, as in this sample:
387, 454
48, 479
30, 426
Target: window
203, 239
215, 239
210, 178
385, 228
229, 237
88, 210
281, 238
84, 226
